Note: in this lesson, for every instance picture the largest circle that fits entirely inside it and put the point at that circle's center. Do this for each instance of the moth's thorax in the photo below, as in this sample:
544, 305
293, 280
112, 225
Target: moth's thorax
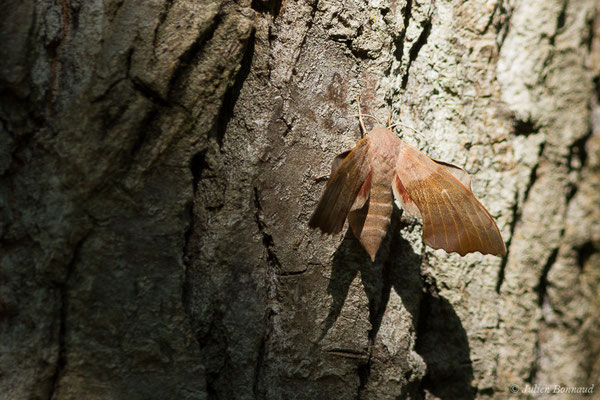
383, 140
383, 150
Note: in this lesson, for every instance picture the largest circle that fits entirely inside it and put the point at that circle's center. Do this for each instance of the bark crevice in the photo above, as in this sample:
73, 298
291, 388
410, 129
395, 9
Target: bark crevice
413, 53
271, 273
63, 289
309, 24
186, 63
542, 285
232, 94
399, 51
267, 239
162, 18
503, 24
515, 217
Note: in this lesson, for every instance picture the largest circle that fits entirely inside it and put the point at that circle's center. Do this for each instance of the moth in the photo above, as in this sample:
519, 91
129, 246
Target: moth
381, 166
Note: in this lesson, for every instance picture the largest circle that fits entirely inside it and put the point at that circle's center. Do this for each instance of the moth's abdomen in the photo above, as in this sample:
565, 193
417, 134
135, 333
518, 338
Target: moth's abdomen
379, 212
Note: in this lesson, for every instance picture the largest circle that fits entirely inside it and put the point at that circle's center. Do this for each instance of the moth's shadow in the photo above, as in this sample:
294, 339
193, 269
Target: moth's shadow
441, 339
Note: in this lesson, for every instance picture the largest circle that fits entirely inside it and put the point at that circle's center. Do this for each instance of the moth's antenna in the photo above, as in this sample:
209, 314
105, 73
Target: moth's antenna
365, 115
390, 121
406, 126
362, 123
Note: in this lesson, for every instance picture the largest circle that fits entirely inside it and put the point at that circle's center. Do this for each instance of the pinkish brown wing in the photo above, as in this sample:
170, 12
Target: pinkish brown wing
342, 190
363, 193
453, 219
403, 199
458, 172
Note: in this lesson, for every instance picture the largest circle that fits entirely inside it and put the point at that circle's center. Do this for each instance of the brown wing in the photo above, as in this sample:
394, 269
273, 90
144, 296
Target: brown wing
406, 203
453, 219
403, 199
363, 193
342, 190
338, 160
458, 172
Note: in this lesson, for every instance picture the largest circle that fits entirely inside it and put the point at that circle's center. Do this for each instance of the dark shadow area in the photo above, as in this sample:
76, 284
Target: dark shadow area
525, 127
443, 344
441, 339
267, 6
349, 259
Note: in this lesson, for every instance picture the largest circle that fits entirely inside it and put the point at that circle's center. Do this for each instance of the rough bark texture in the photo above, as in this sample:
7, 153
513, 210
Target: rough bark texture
157, 167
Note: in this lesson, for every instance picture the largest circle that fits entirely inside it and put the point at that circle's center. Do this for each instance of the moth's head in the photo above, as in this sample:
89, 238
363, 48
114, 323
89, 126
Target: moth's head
380, 131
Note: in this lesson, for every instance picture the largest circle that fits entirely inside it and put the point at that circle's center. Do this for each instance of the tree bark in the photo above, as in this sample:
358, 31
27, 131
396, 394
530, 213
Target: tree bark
159, 162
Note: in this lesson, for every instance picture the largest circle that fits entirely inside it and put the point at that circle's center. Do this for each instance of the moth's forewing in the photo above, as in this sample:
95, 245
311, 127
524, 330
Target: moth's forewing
342, 190
363, 193
337, 161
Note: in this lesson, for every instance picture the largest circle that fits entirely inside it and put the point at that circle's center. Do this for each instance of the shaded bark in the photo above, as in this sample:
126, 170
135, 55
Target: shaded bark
158, 165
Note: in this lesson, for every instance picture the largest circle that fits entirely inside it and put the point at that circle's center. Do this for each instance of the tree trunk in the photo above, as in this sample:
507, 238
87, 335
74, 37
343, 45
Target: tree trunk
159, 162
